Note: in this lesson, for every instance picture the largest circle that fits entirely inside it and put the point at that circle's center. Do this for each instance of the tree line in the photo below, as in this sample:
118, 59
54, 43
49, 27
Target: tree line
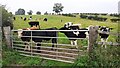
57, 8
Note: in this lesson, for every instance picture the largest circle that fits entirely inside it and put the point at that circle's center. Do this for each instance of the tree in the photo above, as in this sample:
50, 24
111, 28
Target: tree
20, 11
6, 17
58, 8
30, 12
38, 13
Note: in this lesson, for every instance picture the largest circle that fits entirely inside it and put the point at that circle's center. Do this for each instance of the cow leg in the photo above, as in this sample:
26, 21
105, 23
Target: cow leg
38, 48
25, 46
103, 42
87, 35
75, 42
28, 46
72, 42
54, 41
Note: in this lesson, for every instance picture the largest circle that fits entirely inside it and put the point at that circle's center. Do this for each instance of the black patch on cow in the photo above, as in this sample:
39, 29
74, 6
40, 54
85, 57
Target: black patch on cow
70, 34
40, 33
104, 29
34, 23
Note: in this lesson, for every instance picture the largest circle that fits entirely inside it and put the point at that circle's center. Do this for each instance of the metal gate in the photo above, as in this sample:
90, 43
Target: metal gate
61, 52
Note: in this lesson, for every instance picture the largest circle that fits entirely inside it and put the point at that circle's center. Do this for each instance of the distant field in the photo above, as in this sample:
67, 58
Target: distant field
55, 21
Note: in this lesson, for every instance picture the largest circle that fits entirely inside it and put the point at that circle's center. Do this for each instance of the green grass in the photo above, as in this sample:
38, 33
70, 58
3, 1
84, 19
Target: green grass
55, 21
13, 58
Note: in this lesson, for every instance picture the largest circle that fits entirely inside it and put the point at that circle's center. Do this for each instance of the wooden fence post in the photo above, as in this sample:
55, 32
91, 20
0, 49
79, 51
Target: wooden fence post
0, 38
93, 34
0, 47
7, 33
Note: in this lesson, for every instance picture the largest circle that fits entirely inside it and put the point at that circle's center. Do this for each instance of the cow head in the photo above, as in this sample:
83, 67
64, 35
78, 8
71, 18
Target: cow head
75, 27
20, 33
68, 24
105, 29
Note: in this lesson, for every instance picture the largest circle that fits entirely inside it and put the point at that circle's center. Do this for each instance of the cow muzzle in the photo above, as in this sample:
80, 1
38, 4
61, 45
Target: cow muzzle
19, 33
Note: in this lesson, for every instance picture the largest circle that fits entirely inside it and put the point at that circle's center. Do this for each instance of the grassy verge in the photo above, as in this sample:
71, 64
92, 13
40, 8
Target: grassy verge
100, 57
13, 58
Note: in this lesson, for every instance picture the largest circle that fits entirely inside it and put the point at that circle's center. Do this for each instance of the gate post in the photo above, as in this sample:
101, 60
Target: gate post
0, 47
7, 33
93, 34
0, 39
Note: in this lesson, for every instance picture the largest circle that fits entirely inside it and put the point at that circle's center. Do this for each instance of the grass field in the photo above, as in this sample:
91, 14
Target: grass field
55, 21
13, 58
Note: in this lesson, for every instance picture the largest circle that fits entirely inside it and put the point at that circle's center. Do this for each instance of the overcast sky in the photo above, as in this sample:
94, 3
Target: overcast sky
70, 6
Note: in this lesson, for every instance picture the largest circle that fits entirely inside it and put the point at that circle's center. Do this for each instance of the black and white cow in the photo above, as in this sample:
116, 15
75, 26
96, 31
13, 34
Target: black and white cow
104, 34
30, 18
45, 19
25, 19
73, 35
34, 23
46, 34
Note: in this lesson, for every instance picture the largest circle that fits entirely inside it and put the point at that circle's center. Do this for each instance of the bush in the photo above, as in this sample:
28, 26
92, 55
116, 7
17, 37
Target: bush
100, 57
6, 17
105, 57
69, 15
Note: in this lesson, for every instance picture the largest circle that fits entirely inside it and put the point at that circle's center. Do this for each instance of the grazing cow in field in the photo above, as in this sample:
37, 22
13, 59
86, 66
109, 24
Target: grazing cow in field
34, 23
14, 18
30, 18
43, 34
25, 19
21, 17
73, 35
45, 19
104, 34
115, 20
